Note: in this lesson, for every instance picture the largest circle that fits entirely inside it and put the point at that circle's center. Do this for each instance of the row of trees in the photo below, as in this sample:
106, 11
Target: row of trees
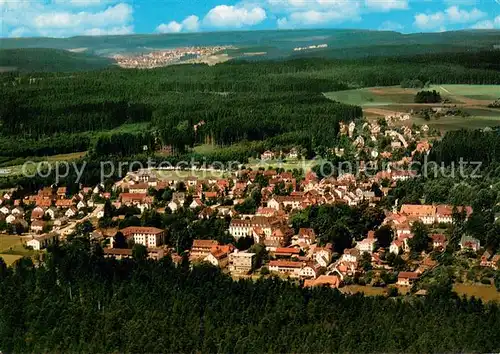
77, 300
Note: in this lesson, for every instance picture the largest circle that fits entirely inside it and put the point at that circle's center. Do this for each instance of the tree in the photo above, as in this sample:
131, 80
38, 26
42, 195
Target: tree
384, 236
366, 261
139, 252
119, 241
420, 240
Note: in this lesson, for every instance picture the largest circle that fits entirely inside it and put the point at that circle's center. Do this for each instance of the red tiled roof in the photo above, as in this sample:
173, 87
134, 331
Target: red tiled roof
285, 264
409, 275
140, 230
287, 250
204, 243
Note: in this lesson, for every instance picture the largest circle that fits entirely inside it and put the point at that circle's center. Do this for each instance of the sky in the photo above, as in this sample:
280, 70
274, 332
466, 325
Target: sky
66, 18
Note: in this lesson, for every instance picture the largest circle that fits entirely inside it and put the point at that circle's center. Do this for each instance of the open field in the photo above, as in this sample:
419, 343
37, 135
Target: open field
289, 164
9, 259
11, 248
367, 290
484, 292
9, 242
180, 175
35, 162
472, 99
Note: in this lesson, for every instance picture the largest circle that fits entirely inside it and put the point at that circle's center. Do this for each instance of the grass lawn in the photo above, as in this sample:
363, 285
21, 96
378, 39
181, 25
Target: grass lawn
384, 96
367, 290
180, 175
204, 148
366, 97
10, 258
8, 242
306, 165
455, 123
480, 92
13, 245
484, 292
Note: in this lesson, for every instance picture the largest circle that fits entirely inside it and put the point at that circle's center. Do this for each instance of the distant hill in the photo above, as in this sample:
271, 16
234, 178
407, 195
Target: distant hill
45, 59
88, 53
275, 43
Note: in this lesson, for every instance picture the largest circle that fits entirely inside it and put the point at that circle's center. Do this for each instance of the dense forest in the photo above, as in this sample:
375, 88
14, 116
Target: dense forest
44, 59
221, 105
76, 301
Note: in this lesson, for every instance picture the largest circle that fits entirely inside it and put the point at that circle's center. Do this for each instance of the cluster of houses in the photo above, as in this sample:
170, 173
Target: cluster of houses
48, 214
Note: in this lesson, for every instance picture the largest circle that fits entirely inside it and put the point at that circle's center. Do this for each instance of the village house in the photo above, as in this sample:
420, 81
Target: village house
174, 205
117, 253
280, 237
37, 226
286, 252
40, 242
396, 246
196, 203
51, 213
138, 188
310, 270
267, 155
219, 255
241, 262
201, 248
146, 236
17, 211
332, 281
10, 219
242, 228
425, 213
406, 278
60, 221
306, 236
64, 203
351, 255
289, 268
470, 243
37, 213
438, 241
323, 255
368, 244
71, 212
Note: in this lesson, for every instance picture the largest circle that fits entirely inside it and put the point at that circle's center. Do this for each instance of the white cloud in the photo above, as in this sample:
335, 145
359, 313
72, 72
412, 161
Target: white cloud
311, 18
317, 12
234, 17
391, 26
171, 27
451, 15
189, 24
430, 21
387, 5
455, 15
37, 18
118, 14
488, 24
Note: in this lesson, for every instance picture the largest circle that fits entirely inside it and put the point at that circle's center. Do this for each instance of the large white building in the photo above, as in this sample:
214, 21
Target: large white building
40, 242
146, 236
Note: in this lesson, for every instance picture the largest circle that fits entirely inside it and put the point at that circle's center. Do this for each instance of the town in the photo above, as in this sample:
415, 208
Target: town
160, 58
260, 211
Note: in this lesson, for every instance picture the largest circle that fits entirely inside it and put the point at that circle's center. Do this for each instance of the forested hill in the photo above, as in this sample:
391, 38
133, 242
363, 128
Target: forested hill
79, 301
47, 60
276, 102
341, 43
